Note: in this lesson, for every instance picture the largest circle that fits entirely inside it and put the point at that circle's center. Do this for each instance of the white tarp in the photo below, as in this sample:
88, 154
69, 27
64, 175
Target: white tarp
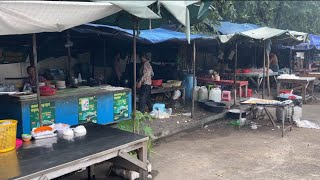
264, 33
24, 17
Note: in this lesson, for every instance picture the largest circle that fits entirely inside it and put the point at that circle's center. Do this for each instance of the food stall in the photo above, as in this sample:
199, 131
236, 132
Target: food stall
101, 105
304, 84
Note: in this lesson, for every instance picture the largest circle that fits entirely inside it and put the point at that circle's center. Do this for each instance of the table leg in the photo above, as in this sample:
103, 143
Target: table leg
184, 95
304, 92
142, 156
246, 91
283, 116
90, 170
278, 87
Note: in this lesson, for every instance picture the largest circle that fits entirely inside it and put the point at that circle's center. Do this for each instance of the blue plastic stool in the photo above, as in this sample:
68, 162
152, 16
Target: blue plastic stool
159, 107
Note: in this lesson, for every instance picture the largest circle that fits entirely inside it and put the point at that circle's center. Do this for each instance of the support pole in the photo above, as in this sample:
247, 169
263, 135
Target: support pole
290, 61
194, 77
235, 77
35, 61
264, 71
134, 74
268, 78
104, 60
69, 58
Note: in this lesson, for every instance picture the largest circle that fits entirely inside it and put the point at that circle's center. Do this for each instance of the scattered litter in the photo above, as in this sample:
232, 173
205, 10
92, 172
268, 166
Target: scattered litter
272, 129
177, 122
253, 126
306, 124
185, 121
186, 114
206, 126
278, 127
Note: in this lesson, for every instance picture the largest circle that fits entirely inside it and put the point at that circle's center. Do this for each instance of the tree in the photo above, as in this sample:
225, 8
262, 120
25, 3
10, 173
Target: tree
293, 15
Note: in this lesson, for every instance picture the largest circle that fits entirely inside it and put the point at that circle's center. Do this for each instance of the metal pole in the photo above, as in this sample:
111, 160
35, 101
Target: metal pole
134, 74
268, 78
235, 77
290, 61
264, 72
104, 60
194, 77
35, 61
69, 57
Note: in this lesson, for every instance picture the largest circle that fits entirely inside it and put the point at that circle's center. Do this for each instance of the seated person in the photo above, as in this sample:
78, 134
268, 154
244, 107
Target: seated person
31, 70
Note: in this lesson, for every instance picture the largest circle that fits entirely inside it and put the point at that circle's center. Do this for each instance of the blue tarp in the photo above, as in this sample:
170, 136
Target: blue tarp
313, 43
152, 36
232, 28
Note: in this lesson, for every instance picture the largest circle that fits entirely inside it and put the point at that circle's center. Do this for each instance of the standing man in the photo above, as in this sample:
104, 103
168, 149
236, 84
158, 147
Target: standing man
144, 83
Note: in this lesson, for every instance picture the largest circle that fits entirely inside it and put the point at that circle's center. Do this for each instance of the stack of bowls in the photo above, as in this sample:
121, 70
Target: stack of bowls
61, 84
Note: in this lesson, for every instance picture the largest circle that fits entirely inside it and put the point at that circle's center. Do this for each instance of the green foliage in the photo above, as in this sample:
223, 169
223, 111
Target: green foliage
140, 124
293, 15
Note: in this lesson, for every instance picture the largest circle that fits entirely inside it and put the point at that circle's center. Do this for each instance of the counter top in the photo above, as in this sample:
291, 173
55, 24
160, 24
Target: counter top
72, 92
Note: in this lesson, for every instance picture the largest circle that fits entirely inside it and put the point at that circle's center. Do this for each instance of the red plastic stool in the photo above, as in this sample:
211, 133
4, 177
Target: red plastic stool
226, 96
286, 91
249, 92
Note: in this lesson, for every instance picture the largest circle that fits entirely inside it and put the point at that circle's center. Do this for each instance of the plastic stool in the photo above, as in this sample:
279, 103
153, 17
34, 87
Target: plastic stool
159, 107
226, 95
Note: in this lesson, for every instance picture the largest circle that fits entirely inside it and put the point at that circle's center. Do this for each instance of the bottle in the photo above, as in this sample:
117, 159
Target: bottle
79, 78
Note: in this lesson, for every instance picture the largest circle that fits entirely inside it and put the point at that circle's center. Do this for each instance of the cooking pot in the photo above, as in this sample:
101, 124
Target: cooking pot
214, 106
235, 114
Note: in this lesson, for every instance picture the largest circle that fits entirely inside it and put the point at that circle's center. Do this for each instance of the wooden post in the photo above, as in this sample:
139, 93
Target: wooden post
264, 72
290, 60
235, 76
134, 74
268, 77
69, 58
194, 77
35, 62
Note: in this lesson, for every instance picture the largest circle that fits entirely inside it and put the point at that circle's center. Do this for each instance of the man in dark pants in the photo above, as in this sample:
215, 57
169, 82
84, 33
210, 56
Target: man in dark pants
144, 84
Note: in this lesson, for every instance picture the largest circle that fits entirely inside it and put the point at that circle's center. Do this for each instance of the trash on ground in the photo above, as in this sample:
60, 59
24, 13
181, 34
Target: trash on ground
186, 114
306, 124
234, 123
254, 126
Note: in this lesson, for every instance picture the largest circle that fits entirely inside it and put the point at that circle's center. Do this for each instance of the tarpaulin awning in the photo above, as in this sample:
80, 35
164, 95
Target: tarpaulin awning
232, 28
277, 36
24, 17
313, 42
153, 36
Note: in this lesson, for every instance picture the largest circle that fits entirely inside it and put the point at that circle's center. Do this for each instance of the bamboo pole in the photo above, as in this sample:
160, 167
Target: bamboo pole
264, 72
134, 74
35, 61
194, 77
268, 77
235, 77
69, 58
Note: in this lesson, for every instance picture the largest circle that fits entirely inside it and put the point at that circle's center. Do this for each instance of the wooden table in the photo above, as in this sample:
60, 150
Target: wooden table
257, 78
54, 157
239, 84
284, 105
305, 84
165, 91
311, 74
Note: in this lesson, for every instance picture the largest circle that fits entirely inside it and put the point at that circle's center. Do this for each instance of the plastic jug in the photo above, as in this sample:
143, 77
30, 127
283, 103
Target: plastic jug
215, 94
196, 93
203, 93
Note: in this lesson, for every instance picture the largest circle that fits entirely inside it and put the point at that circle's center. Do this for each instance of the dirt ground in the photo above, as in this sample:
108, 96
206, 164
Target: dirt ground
221, 151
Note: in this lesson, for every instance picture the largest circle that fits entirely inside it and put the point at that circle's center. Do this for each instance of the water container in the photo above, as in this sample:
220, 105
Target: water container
188, 85
215, 94
196, 93
203, 93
